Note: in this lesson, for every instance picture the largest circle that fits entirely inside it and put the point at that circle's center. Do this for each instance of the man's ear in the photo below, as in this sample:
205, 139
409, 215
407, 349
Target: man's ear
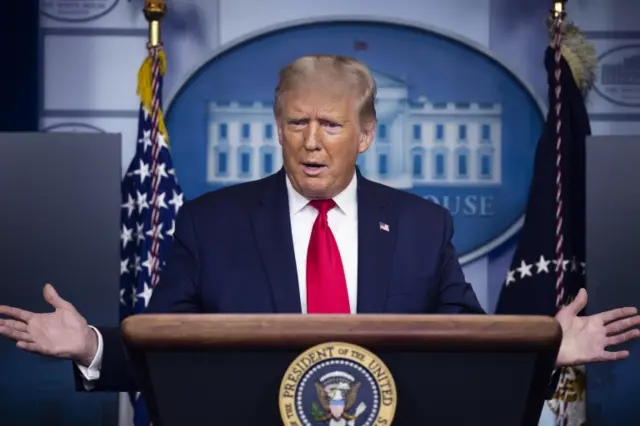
280, 129
366, 137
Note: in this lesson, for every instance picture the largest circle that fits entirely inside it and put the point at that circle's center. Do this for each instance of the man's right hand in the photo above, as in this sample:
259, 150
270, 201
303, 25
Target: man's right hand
63, 333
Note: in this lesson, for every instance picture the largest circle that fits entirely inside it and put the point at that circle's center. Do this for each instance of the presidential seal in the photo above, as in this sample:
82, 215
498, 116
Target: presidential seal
337, 384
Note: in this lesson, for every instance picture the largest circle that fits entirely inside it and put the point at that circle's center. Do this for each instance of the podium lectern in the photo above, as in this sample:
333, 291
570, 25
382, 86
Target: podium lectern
334, 370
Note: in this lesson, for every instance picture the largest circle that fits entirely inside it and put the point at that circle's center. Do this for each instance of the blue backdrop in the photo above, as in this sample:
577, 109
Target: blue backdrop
433, 65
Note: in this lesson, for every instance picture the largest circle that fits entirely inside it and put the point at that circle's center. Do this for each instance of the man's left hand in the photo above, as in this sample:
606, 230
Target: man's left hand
586, 338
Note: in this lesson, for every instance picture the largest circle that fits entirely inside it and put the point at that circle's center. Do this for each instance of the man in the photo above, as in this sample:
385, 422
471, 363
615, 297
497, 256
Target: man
316, 237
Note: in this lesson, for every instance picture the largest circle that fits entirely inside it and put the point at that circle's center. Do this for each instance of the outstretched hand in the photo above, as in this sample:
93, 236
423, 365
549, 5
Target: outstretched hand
586, 338
63, 333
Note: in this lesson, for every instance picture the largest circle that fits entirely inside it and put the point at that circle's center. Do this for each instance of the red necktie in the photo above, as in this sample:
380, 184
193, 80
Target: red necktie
326, 283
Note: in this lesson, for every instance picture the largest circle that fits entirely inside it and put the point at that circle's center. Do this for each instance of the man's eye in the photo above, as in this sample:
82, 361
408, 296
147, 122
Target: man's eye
331, 124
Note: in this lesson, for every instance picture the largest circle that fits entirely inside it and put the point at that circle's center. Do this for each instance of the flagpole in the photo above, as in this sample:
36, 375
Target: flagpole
152, 241
154, 12
558, 15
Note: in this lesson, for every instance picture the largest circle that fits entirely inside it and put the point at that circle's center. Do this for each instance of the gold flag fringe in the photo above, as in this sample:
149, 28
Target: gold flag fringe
144, 89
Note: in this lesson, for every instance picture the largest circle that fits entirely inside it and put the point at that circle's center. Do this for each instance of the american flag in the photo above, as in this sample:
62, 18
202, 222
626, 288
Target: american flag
151, 198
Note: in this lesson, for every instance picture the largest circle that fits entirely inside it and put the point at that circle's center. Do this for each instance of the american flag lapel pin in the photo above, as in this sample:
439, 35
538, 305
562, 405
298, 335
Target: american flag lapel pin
384, 227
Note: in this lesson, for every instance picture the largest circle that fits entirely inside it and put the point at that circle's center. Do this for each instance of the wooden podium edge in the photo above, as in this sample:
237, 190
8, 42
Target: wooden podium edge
443, 332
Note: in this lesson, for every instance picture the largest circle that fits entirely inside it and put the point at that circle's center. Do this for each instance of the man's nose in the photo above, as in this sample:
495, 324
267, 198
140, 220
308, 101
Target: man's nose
313, 137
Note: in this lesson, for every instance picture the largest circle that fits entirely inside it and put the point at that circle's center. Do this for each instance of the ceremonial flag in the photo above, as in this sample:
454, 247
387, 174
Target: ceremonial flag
151, 198
548, 267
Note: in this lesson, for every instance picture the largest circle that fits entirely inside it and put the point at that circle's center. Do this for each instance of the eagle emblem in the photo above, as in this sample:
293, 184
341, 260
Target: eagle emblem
337, 395
337, 384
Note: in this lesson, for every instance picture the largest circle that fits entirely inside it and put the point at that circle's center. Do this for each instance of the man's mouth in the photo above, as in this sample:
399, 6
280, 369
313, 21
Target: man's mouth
313, 168
313, 165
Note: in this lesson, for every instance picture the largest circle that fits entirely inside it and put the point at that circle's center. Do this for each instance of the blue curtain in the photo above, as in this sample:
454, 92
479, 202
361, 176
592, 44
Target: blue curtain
19, 67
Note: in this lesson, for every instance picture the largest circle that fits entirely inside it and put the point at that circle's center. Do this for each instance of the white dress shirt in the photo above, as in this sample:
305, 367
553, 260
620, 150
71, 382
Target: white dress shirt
343, 222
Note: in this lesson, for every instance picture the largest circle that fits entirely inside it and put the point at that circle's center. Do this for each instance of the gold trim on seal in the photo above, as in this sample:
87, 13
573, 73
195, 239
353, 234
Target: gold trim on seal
329, 351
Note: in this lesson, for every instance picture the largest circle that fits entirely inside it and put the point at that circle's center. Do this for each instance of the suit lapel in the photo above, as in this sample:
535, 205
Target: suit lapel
272, 230
377, 230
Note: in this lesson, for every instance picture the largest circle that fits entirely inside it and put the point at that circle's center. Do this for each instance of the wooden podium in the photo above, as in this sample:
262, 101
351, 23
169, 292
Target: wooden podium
405, 370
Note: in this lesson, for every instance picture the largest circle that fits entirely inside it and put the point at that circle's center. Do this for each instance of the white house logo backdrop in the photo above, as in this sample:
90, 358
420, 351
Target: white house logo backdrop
619, 75
455, 126
76, 10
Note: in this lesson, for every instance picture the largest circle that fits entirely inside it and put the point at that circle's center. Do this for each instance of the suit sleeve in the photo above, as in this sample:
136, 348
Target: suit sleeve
115, 373
176, 292
456, 296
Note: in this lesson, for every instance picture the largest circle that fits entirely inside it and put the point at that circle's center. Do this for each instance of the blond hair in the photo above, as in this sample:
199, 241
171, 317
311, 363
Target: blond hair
337, 68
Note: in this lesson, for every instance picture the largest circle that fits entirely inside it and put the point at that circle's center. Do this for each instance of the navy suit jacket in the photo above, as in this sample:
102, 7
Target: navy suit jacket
233, 253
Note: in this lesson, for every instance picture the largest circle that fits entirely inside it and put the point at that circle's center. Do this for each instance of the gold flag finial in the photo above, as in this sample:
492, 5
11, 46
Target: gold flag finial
576, 49
558, 7
154, 11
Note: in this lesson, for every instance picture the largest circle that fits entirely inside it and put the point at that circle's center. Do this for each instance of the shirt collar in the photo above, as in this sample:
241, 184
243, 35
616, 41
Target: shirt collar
346, 200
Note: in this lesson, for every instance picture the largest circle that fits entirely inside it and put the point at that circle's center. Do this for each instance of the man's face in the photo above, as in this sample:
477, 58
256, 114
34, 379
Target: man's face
321, 137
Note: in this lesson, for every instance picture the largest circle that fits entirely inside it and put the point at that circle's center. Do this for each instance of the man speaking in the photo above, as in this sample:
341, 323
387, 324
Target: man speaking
316, 237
